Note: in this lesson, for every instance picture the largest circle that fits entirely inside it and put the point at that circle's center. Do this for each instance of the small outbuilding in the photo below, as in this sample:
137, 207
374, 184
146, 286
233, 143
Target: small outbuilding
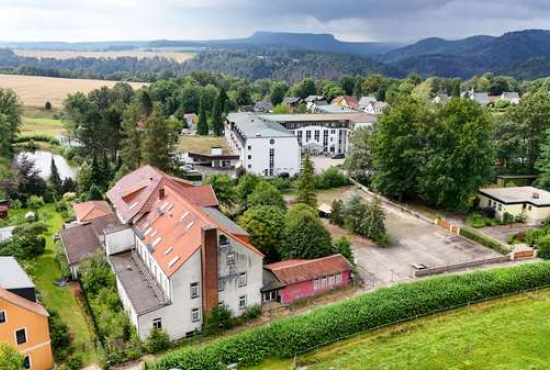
299, 278
532, 202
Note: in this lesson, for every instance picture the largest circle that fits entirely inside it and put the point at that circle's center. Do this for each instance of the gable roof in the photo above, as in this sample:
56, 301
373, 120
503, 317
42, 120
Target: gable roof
365, 100
17, 300
87, 211
136, 192
298, 270
351, 101
171, 226
12, 275
83, 241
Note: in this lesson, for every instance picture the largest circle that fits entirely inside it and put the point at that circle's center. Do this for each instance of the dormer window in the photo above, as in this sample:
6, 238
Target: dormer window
222, 240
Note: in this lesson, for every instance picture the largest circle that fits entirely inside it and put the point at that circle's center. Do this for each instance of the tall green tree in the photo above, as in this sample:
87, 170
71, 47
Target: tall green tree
246, 185
459, 155
54, 181
397, 147
130, 151
304, 235
278, 92
265, 194
347, 83
265, 225
10, 121
359, 159
217, 113
305, 192
202, 124
156, 145
10, 359
223, 188
542, 164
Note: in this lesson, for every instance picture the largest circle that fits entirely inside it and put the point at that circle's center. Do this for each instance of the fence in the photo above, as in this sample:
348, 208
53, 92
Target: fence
460, 266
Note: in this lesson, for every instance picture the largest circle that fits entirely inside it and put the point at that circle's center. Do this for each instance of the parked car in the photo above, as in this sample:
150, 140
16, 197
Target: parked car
338, 156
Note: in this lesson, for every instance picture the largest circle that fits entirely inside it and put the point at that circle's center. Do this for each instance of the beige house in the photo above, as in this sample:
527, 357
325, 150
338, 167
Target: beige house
533, 202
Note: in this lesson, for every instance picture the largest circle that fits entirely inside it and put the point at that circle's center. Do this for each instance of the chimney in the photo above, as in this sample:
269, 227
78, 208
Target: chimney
536, 195
209, 266
162, 193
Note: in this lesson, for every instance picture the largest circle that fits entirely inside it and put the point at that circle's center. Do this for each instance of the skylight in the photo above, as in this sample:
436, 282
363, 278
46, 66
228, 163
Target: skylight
148, 231
168, 251
155, 243
173, 261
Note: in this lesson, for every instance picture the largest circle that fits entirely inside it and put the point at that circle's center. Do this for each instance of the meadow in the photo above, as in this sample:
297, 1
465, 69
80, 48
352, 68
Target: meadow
505, 334
36, 91
179, 57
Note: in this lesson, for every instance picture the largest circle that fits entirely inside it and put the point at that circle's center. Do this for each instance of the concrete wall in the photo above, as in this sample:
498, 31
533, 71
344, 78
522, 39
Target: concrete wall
119, 241
247, 261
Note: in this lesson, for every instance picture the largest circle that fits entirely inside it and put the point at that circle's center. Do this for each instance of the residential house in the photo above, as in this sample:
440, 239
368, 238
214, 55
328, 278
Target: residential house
480, 98
217, 158
532, 202
263, 107
86, 212
376, 108
4, 208
366, 100
292, 102
511, 97
346, 101
186, 259
314, 101
441, 98
291, 280
23, 321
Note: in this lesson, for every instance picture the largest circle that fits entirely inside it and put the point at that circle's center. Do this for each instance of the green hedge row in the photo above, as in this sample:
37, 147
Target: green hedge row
484, 240
288, 336
42, 138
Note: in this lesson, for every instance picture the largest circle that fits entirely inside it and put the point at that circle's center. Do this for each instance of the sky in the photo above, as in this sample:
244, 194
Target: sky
350, 20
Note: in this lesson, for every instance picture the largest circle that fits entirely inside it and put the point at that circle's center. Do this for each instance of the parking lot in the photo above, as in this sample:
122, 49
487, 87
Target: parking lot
414, 241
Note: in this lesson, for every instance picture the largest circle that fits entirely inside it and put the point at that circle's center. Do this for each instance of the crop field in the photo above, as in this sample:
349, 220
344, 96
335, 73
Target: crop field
36, 91
506, 334
179, 57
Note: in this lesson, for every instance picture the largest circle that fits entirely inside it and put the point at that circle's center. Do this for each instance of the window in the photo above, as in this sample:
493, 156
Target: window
308, 136
242, 279
221, 285
230, 259
221, 305
500, 207
195, 315
194, 290
249, 157
331, 280
317, 135
272, 141
250, 147
324, 282
242, 302
21, 336
157, 323
249, 166
27, 362
339, 278
316, 284
529, 208
222, 240
3, 317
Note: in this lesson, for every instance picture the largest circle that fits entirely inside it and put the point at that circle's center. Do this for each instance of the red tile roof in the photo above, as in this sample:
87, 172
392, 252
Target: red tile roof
13, 298
4, 207
88, 211
351, 101
298, 270
170, 226
136, 192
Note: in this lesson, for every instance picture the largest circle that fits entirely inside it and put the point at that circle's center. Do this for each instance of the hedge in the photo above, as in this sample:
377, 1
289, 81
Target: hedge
43, 138
286, 337
484, 240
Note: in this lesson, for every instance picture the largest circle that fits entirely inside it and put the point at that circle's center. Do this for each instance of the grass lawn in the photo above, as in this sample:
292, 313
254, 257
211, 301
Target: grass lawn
506, 334
45, 272
38, 121
201, 144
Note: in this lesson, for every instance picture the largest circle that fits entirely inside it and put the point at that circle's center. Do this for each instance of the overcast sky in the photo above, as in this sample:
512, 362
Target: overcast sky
354, 20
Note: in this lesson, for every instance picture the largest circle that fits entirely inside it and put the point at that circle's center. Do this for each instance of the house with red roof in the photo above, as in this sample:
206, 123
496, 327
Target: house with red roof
346, 101
291, 280
183, 257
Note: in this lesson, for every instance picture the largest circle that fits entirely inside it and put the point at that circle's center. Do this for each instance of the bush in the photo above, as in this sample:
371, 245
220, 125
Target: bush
285, 337
343, 246
484, 240
42, 138
543, 250
521, 218
478, 220
252, 312
35, 202
59, 335
157, 341
507, 218
330, 179
218, 320
532, 236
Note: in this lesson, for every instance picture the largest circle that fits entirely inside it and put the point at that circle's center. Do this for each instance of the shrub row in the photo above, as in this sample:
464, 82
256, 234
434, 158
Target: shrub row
286, 337
43, 138
484, 240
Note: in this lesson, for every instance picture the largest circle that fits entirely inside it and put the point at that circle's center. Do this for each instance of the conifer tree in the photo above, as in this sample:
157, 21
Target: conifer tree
306, 192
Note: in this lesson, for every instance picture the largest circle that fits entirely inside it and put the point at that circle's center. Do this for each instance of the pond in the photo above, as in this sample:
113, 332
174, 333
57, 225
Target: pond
43, 161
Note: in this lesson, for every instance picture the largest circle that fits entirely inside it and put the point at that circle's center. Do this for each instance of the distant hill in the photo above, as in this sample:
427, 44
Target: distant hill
302, 41
524, 54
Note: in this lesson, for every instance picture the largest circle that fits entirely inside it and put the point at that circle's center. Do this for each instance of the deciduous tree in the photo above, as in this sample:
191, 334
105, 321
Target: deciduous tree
265, 225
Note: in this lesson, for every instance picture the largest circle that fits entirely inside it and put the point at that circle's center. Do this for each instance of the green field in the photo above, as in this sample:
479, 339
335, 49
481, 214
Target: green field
45, 271
40, 122
506, 334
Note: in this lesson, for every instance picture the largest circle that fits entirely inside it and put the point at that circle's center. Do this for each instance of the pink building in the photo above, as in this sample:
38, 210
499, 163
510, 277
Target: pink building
288, 281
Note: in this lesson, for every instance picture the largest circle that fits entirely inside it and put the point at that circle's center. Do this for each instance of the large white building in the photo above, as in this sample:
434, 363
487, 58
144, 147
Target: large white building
271, 144
176, 256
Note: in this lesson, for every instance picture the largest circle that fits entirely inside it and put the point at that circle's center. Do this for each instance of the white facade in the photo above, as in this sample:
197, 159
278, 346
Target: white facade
329, 140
